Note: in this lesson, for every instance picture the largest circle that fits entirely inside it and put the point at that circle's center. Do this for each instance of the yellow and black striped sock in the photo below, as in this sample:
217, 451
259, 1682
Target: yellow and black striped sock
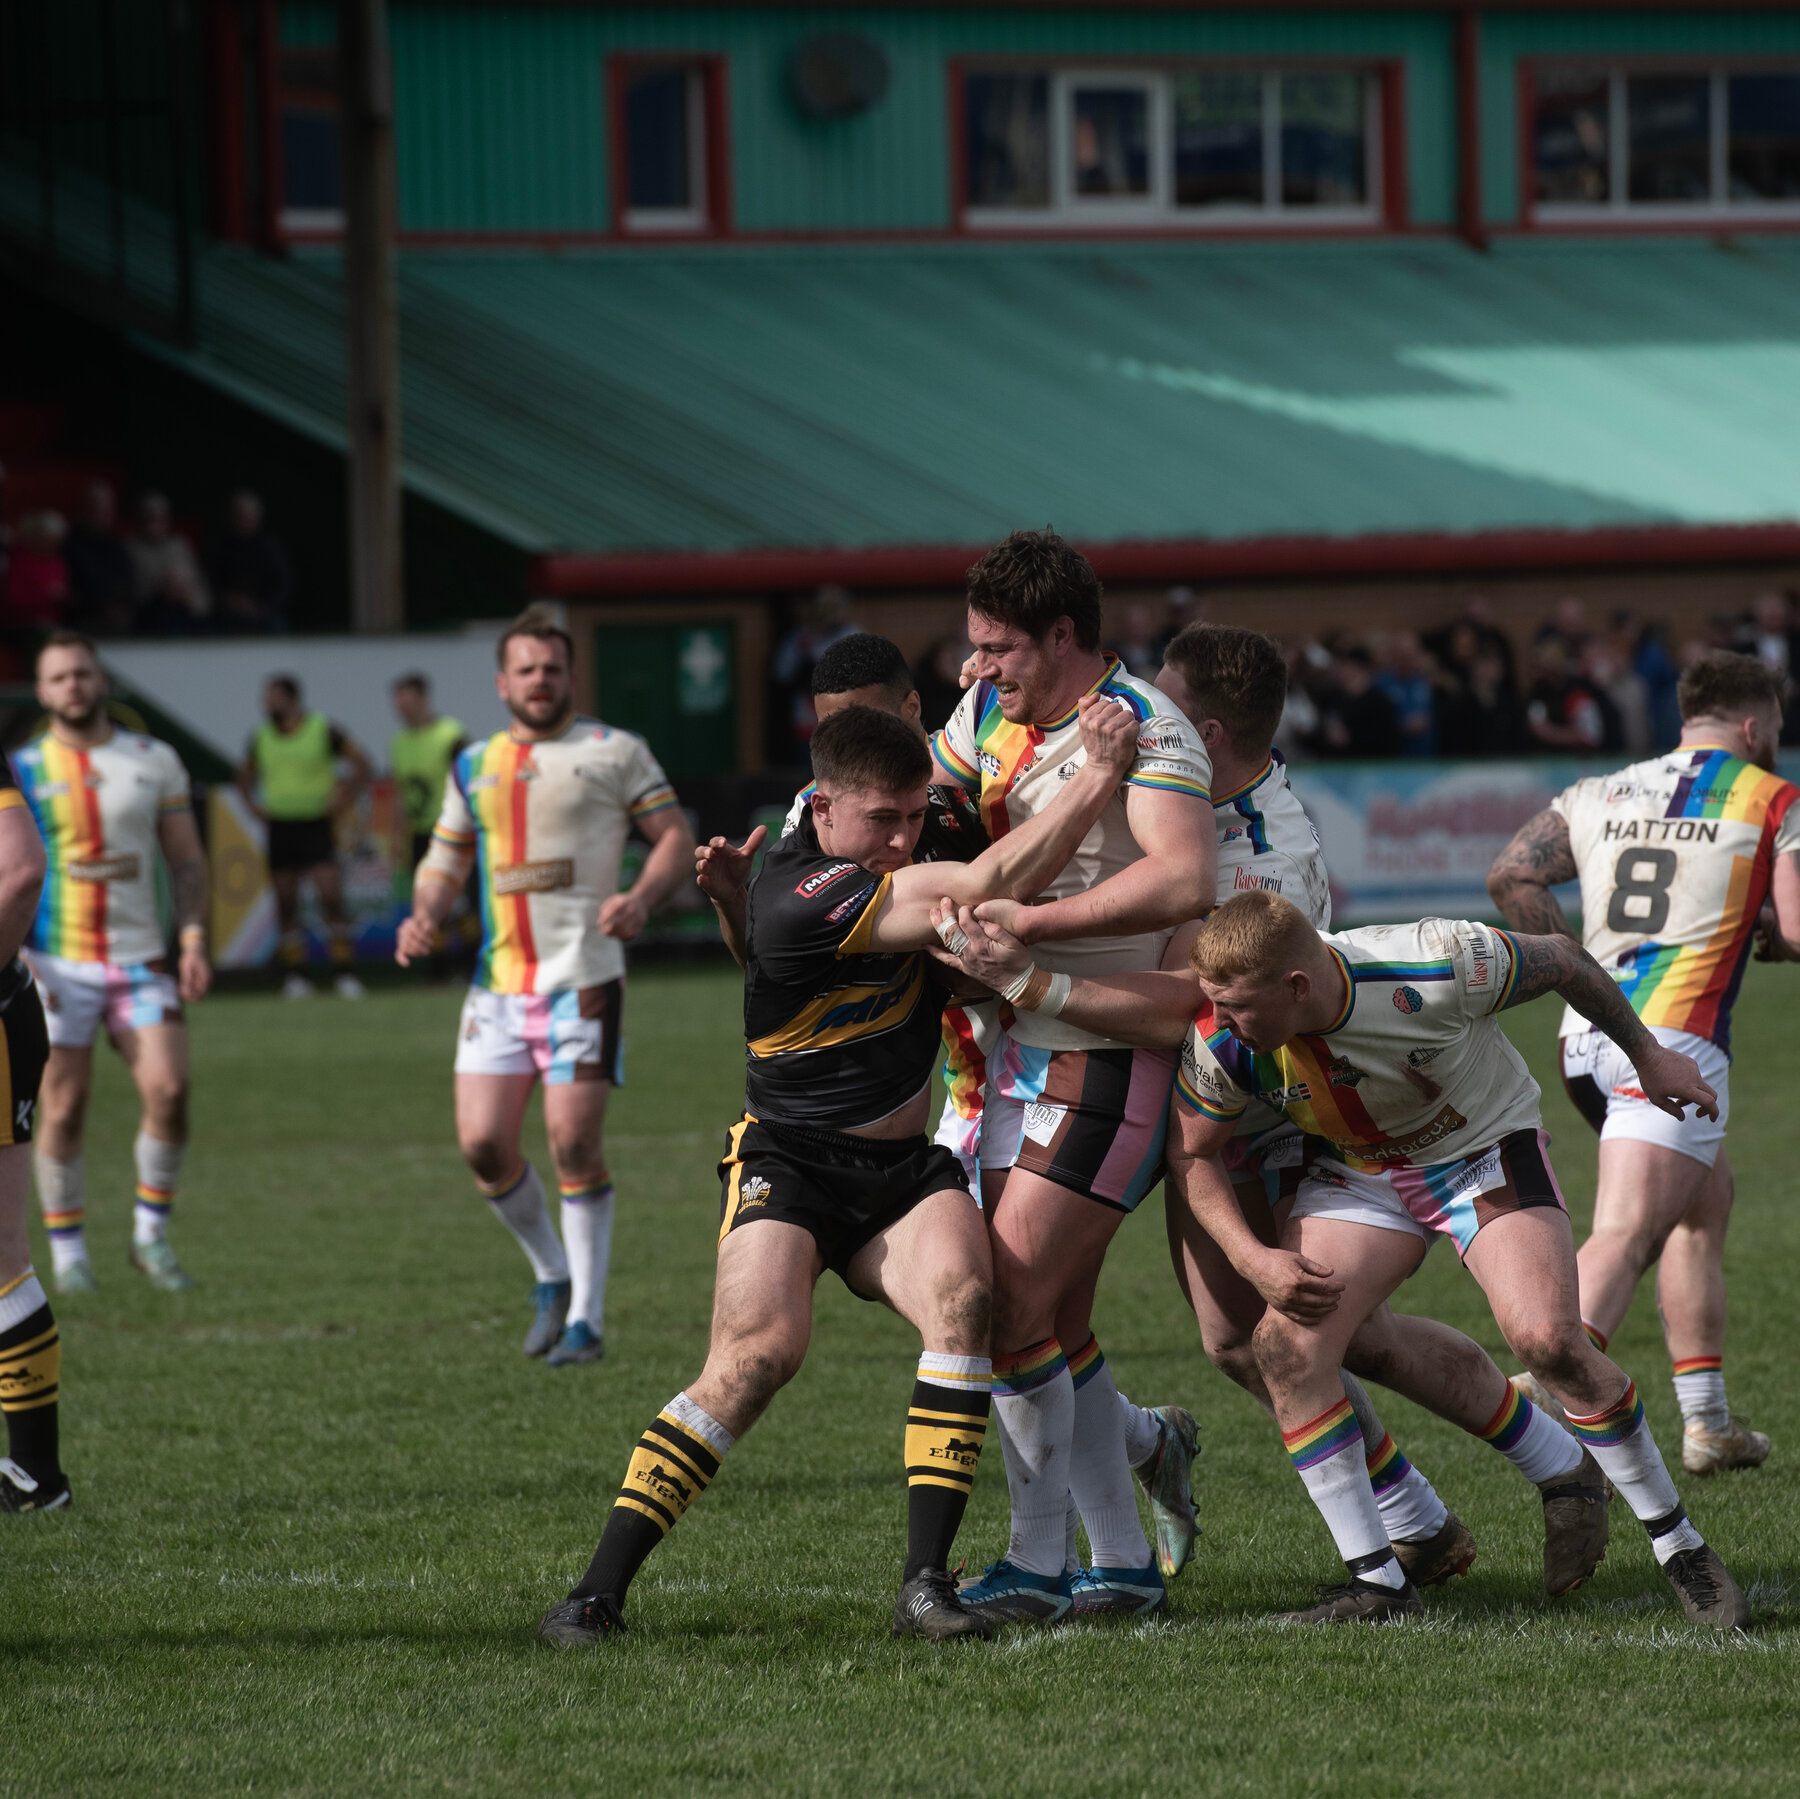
673, 1464
30, 1370
945, 1426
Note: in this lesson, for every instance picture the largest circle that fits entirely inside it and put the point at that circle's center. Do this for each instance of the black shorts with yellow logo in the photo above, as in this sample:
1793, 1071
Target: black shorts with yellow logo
24, 1049
845, 1190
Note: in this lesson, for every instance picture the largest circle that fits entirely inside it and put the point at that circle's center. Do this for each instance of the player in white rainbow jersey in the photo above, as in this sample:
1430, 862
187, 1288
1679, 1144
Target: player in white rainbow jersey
108, 802
541, 811
1384, 1043
1678, 858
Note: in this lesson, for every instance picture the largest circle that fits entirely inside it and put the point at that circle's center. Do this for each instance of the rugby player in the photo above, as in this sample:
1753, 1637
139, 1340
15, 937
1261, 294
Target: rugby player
1072, 1122
829, 1166
107, 802
31, 1473
1383, 1042
1677, 858
543, 809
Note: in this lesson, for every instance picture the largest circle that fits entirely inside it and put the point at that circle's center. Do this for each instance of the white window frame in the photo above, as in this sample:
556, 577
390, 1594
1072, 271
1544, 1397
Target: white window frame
696, 216
1619, 206
1069, 211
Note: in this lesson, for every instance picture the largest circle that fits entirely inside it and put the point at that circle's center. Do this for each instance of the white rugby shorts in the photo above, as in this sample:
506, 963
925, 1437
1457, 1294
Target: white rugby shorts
79, 996
1603, 1086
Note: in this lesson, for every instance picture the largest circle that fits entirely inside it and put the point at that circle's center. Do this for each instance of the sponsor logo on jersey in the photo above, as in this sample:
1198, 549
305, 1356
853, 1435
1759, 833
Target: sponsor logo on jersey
1067, 771
1445, 1125
105, 868
844, 908
1247, 880
1344, 1073
1289, 1096
990, 763
1233, 834
753, 1192
1408, 999
865, 1010
534, 877
821, 878
1481, 967
526, 771
1162, 740
1422, 1058
477, 783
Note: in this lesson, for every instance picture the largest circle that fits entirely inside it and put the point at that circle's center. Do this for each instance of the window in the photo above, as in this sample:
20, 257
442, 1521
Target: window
662, 141
1664, 142
306, 116
1172, 147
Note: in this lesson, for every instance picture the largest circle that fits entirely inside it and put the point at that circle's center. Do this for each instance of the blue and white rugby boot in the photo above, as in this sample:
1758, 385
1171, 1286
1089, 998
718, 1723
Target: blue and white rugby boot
1117, 1592
1008, 1595
550, 1300
578, 1344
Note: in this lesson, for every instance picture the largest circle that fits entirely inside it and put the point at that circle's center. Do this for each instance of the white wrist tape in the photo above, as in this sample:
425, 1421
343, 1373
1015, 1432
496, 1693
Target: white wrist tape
1053, 1002
1018, 986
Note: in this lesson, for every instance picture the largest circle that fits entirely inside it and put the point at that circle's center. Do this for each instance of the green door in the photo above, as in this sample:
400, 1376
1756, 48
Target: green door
675, 685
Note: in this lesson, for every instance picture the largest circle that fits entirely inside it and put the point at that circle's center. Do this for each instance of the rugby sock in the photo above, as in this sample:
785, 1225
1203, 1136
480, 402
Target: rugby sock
1034, 1411
1530, 1439
1327, 1453
587, 1222
1099, 1475
1409, 1504
519, 1205
1143, 1434
1596, 1335
62, 1193
158, 1174
1699, 1390
673, 1464
30, 1366
1620, 1441
945, 1425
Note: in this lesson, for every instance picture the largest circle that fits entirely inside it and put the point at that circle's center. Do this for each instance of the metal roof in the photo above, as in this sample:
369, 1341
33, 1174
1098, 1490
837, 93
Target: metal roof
716, 400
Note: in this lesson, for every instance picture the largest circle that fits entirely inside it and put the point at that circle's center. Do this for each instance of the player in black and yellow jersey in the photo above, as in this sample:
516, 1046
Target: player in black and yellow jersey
830, 1166
31, 1476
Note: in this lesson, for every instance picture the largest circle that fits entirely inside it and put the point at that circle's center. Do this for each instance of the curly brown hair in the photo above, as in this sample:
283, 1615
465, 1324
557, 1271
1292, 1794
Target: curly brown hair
1034, 578
1723, 684
1237, 676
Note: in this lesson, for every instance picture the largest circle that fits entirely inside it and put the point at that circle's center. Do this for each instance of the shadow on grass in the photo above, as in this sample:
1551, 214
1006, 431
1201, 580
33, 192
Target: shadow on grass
54, 1648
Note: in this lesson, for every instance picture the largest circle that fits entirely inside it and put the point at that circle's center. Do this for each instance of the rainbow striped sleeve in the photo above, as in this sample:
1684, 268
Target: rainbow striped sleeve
1509, 988
658, 799
1209, 1049
10, 796
1170, 763
958, 767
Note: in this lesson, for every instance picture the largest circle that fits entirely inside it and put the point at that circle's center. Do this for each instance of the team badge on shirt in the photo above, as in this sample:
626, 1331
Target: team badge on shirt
1408, 999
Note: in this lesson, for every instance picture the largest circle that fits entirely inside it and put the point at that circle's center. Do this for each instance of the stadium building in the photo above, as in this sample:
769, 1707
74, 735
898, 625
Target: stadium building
1332, 310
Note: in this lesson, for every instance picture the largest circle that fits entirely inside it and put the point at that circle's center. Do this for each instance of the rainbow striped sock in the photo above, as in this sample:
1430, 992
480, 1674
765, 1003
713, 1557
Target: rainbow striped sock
1387, 1467
1615, 1425
1320, 1438
1596, 1335
1025, 1370
1327, 1453
1700, 1391
1620, 1442
1530, 1439
1085, 1363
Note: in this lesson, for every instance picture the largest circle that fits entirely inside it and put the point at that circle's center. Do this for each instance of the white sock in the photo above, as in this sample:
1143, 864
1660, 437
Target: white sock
520, 1208
17, 1303
702, 1423
1034, 1412
1327, 1453
1409, 1505
62, 1195
1700, 1392
1071, 1538
1620, 1441
587, 1221
1099, 1475
158, 1175
1539, 1447
1143, 1432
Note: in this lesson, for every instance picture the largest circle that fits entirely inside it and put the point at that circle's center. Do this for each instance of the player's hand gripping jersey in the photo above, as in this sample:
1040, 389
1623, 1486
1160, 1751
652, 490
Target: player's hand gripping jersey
548, 822
1015, 771
1415, 1072
835, 1036
1675, 856
97, 811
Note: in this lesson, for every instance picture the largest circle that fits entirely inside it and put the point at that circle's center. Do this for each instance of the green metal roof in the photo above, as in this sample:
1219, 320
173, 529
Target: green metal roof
717, 399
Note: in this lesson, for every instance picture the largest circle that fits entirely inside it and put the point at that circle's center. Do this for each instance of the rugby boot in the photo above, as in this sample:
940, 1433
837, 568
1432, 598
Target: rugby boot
1708, 1594
1008, 1595
1359, 1602
1117, 1592
551, 1300
20, 1493
929, 1606
580, 1623
1576, 1526
1539, 1395
1167, 1477
576, 1345
1706, 1451
78, 1277
1439, 1558
157, 1260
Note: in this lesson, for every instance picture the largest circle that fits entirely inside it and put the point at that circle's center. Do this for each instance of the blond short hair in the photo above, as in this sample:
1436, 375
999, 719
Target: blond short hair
1251, 936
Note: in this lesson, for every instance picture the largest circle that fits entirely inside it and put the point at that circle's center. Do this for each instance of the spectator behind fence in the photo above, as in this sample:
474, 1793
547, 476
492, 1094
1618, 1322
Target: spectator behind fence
1563, 712
1186, 607
1771, 636
824, 620
1474, 633
1612, 662
102, 581
1136, 643
1357, 720
1404, 673
173, 598
1568, 626
251, 573
937, 680
36, 586
1479, 715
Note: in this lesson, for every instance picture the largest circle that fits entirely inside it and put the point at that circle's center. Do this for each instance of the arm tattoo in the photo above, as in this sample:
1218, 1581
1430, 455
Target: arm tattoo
1552, 964
1536, 860
187, 886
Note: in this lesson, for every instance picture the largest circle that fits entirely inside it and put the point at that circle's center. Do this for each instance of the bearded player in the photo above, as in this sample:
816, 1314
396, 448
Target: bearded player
1678, 857
542, 810
109, 803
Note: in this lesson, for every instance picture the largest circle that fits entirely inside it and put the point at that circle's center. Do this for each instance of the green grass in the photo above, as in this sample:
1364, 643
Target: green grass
322, 1500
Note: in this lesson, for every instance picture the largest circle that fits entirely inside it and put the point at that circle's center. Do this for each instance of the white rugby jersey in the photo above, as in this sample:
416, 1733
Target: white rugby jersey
1675, 856
1414, 1072
548, 821
1016, 770
1267, 843
97, 811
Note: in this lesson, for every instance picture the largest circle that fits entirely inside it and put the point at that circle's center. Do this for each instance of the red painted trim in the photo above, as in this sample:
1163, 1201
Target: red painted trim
615, 144
268, 33
1396, 180
716, 112
1468, 127
228, 191
719, 197
1246, 559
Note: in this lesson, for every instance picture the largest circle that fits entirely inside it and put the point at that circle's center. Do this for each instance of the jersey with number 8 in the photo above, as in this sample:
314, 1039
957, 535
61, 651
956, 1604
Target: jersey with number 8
1675, 856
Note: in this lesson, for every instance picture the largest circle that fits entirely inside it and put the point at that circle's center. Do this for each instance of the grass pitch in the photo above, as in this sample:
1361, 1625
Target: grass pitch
322, 1500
